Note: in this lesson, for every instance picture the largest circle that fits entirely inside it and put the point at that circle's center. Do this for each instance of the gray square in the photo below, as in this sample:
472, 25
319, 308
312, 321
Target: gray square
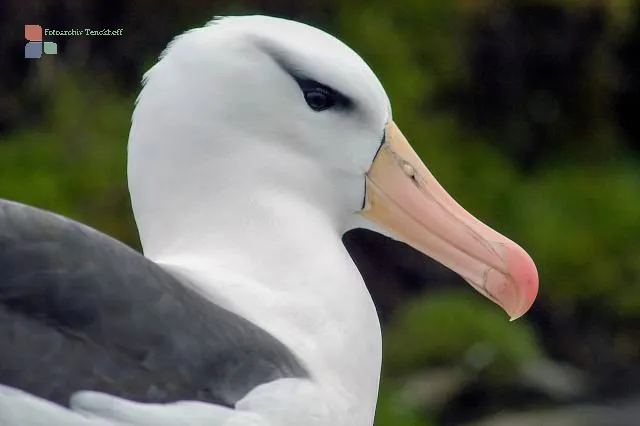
33, 50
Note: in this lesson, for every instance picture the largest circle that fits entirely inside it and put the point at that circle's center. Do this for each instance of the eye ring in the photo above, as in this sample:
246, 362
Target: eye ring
319, 98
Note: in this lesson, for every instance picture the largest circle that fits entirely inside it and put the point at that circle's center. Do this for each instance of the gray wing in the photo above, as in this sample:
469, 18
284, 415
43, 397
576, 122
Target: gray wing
82, 311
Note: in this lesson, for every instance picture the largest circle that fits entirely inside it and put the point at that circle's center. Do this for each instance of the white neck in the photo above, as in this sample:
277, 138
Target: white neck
273, 256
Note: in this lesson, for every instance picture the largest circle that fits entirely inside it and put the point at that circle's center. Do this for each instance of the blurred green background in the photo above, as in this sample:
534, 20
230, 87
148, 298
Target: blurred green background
528, 112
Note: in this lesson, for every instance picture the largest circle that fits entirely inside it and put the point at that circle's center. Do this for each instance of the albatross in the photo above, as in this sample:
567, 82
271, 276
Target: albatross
255, 144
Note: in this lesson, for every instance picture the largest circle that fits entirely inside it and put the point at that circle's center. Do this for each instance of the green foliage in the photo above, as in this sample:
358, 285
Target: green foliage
581, 224
391, 410
452, 327
75, 163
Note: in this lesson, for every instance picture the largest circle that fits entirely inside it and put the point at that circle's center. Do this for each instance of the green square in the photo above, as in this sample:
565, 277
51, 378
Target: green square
50, 48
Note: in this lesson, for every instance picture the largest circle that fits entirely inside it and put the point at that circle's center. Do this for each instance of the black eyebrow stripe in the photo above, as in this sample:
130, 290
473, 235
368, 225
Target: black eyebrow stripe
304, 82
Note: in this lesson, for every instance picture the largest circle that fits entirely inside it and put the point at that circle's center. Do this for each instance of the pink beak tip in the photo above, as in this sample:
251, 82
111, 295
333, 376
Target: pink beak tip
525, 277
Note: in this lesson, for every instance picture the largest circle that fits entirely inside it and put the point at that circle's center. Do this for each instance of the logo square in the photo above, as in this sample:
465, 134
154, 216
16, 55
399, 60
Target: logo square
50, 48
33, 50
33, 32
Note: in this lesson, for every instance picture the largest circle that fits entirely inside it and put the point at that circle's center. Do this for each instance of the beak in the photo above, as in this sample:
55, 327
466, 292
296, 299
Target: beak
404, 197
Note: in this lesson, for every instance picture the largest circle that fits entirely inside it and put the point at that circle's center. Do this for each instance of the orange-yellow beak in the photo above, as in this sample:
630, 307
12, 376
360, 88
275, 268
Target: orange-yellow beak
404, 197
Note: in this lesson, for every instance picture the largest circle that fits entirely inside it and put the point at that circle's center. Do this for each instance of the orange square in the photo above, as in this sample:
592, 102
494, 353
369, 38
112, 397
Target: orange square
33, 32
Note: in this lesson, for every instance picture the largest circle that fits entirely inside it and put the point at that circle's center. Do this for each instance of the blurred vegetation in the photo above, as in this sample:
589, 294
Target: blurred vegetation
74, 163
526, 112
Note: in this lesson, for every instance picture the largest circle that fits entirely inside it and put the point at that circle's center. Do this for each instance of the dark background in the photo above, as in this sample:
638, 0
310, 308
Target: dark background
528, 113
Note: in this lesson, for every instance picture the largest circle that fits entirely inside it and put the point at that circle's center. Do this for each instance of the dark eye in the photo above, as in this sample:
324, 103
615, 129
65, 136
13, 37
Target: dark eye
319, 98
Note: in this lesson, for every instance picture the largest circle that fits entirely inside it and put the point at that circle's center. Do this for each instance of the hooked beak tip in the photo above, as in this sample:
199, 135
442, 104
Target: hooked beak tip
520, 287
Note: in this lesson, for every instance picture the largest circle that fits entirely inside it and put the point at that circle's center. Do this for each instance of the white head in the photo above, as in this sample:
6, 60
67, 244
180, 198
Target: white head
237, 92
250, 105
